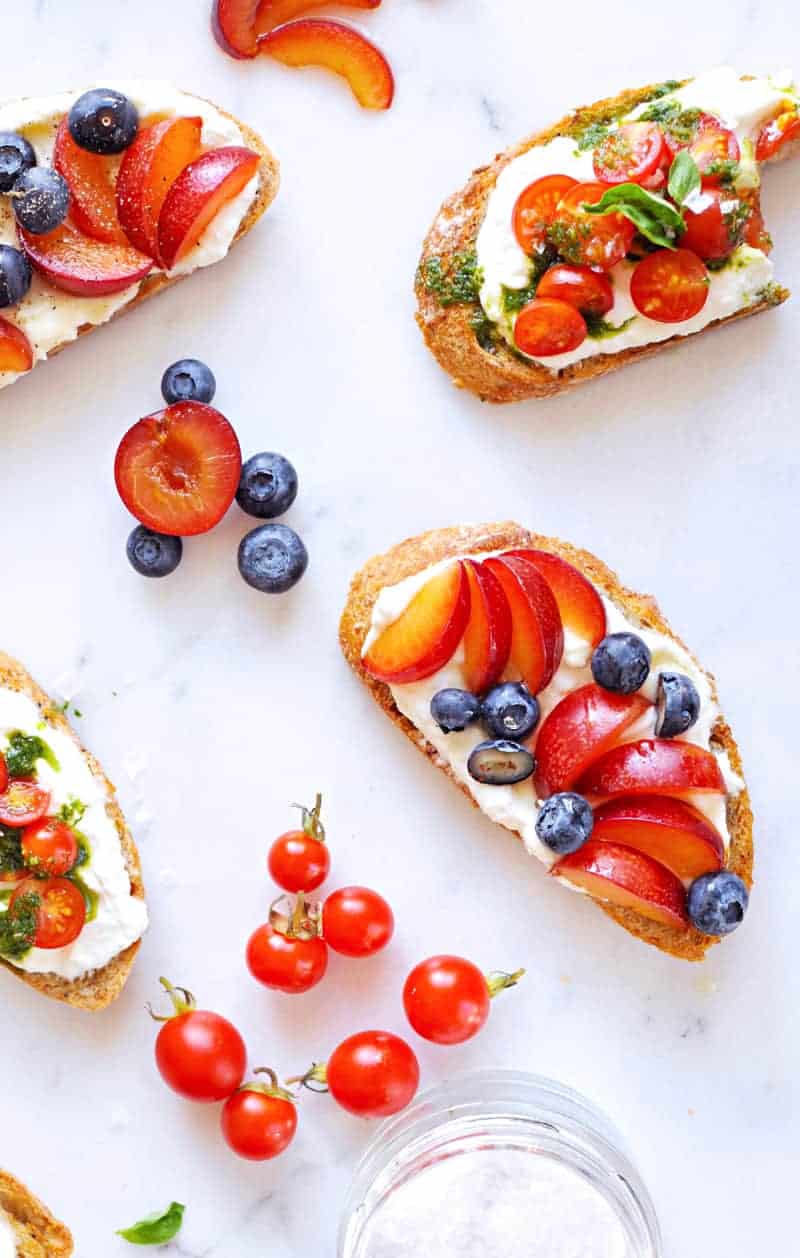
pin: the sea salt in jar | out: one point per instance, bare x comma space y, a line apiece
498, 1165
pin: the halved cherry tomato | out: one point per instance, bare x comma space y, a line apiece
716, 226
631, 154
536, 208
755, 232
3, 773
670, 285
780, 130
587, 290
714, 150
545, 327
691, 123
590, 239
49, 847
61, 912
22, 803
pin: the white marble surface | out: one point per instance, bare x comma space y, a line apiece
213, 707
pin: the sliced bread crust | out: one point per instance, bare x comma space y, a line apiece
38, 1234
499, 375
416, 553
100, 987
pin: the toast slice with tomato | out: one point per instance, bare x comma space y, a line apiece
449, 312
100, 987
419, 553
38, 1234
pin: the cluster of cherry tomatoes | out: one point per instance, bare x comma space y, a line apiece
371, 1074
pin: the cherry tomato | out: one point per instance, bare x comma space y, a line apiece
357, 921
258, 1123
286, 963
716, 226
546, 327
535, 209
670, 285
49, 847
780, 130
691, 124
299, 860
373, 1074
3, 773
199, 1054
589, 239
61, 913
631, 154
587, 290
755, 232
22, 803
446, 999
714, 150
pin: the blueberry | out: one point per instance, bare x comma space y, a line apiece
15, 275
565, 822
268, 486
41, 200
188, 380
16, 156
717, 902
103, 121
454, 710
621, 663
510, 711
153, 554
272, 558
500, 763
678, 704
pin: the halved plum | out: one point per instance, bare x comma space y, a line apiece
148, 170
630, 879
487, 638
77, 264
670, 830
425, 636
336, 47
177, 471
652, 766
579, 604
537, 635
16, 353
197, 196
584, 725
93, 203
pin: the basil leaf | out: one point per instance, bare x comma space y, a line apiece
654, 217
156, 1229
684, 177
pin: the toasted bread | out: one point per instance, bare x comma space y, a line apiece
497, 374
38, 1234
100, 987
418, 553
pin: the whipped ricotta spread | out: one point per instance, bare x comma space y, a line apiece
742, 106
8, 1240
516, 807
120, 918
49, 316
500, 1203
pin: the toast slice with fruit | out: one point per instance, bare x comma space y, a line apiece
50, 845
625, 227
36, 1232
649, 767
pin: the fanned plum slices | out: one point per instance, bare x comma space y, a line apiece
652, 766
627, 878
77, 264
336, 47
537, 635
93, 204
487, 638
670, 831
272, 13
579, 604
584, 725
197, 196
425, 636
16, 354
149, 168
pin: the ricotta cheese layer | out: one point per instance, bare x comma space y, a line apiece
120, 918
517, 807
50, 317
742, 106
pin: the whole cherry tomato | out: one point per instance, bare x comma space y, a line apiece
372, 1074
199, 1054
357, 921
60, 911
447, 999
286, 962
299, 859
259, 1120
49, 846
670, 285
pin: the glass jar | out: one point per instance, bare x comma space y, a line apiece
498, 1164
